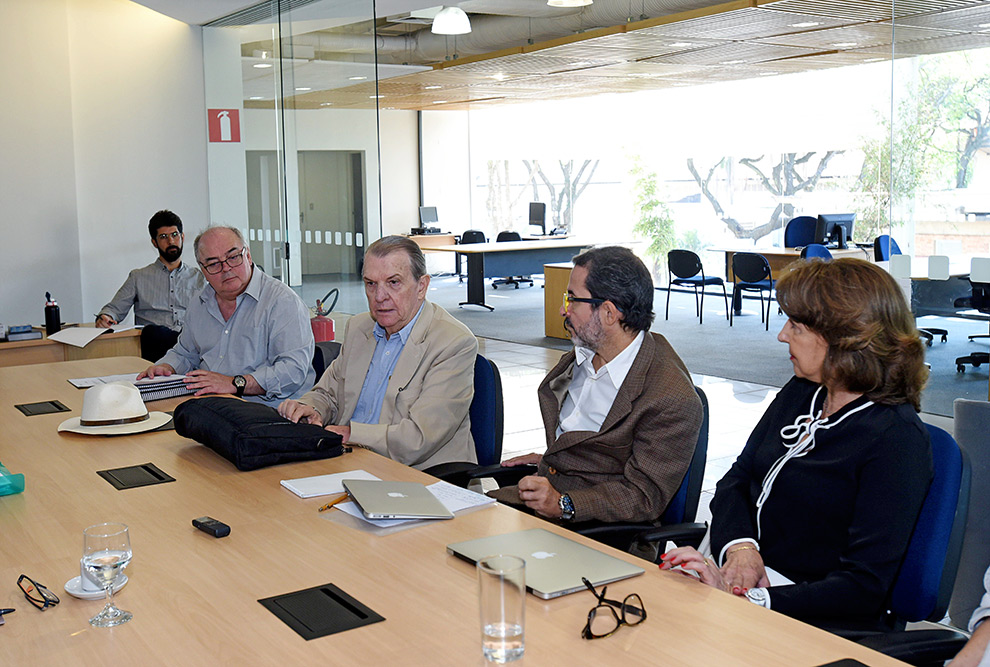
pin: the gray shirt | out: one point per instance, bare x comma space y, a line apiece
159, 296
268, 337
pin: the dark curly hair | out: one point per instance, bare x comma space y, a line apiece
617, 275
860, 311
163, 218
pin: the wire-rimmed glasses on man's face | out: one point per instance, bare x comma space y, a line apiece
570, 299
36, 593
603, 620
170, 235
232, 260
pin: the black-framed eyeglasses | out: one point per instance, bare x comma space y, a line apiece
37, 594
231, 261
603, 620
570, 298
170, 235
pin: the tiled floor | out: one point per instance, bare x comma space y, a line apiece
734, 409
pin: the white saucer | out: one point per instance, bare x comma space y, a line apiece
74, 588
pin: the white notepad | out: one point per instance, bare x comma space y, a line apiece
323, 485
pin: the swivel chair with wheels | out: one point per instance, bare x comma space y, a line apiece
510, 280
980, 300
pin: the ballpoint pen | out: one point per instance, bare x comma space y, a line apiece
334, 502
4, 611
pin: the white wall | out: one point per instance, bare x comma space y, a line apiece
37, 178
447, 167
102, 124
400, 172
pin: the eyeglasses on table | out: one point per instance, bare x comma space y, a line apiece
603, 620
37, 594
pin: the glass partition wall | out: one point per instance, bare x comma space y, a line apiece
296, 163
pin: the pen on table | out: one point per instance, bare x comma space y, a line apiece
333, 502
6, 611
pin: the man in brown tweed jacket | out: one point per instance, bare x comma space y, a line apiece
620, 411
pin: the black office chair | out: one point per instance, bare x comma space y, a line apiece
156, 340
510, 280
487, 424
800, 231
752, 274
980, 300
470, 236
927, 574
324, 353
676, 522
686, 265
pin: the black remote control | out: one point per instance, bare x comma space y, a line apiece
211, 526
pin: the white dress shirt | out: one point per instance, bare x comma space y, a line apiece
591, 393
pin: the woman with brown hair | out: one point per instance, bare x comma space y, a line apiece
815, 515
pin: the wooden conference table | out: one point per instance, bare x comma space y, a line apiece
510, 258
194, 597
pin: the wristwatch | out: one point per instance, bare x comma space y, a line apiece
759, 596
239, 384
566, 507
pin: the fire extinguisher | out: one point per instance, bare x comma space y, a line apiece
323, 325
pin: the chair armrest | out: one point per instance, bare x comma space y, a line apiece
460, 473
681, 534
917, 647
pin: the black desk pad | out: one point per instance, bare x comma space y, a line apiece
320, 611
41, 408
132, 477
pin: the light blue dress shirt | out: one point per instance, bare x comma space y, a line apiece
387, 351
159, 296
268, 337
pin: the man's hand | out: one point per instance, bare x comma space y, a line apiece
743, 569
524, 460
297, 412
155, 371
104, 321
208, 382
538, 495
343, 431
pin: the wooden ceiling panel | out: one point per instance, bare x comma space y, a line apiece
967, 19
733, 53
868, 10
856, 36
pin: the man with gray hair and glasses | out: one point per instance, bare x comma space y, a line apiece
246, 333
404, 380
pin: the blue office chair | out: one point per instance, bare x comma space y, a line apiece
800, 231
676, 522
752, 274
883, 247
814, 250
510, 280
927, 574
687, 266
487, 424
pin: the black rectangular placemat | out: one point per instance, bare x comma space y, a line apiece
134, 476
41, 408
319, 611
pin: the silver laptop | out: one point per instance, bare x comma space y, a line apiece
554, 564
395, 500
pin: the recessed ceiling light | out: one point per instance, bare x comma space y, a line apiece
432, 87
262, 65
256, 97
439, 101
844, 45
375, 97
983, 25
301, 89
873, 60
580, 63
499, 77
732, 62
356, 78
326, 104
806, 24
678, 45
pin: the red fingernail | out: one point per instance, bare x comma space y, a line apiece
663, 556
745, 590
735, 590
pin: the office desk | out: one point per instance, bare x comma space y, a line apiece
194, 597
430, 242
510, 258
43, 351
779, 258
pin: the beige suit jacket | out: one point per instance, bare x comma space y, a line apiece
424, 419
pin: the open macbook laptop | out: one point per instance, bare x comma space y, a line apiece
395, 500
554, 564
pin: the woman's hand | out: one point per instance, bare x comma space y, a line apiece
743, 569
688, 558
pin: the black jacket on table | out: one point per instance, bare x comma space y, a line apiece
838, 519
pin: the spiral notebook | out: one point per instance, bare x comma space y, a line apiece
152, 389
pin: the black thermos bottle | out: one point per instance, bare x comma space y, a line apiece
53, 320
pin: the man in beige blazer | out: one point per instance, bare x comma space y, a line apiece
620, 412
403, 382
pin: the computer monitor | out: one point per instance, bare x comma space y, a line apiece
427, 216
834, 229
538, 216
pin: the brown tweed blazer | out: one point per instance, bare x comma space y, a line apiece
631, 468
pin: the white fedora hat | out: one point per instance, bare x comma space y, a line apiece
115, 408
